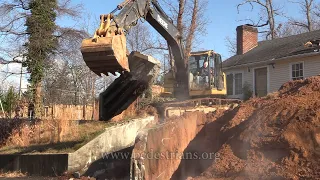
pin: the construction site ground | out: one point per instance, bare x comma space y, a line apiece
273, 137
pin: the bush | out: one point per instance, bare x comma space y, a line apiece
247, 91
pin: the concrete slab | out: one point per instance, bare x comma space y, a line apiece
113, 139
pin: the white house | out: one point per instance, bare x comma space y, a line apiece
264, 66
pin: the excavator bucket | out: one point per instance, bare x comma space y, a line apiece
106, 54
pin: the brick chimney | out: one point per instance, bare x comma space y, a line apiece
247, 38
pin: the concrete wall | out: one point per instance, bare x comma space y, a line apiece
277, 76
113, 139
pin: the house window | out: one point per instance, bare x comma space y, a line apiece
297, 71
238, 83
230, 84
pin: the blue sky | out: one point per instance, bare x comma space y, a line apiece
222, 14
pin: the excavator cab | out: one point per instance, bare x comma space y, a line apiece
205, 74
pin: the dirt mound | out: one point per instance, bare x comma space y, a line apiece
301, 87
275, 137
134, 112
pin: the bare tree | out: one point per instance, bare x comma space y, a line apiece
192, 30
13, 35
81, 81
231, 44
140, 39
186, 15
13, 14
308, 9
268, 8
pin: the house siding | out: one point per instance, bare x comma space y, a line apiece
248, 76
282, 71
312, 66
280, 74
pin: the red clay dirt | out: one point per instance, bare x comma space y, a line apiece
134, 112
275, 137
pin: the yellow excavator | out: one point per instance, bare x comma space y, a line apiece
201, 84
106, 53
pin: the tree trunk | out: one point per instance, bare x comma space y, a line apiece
180, 16
308, 11
93, 97
37, 100
179, 27
271, 18
192, 30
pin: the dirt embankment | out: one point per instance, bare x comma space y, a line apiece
158, 151
275, 137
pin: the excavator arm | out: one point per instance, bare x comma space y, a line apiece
106, 52
152, 12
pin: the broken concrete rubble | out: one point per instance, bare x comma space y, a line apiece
129, 86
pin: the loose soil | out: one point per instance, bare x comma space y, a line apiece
275, 137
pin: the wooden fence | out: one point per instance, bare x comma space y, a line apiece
72, 112
65, 112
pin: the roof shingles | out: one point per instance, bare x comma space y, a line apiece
274, 49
